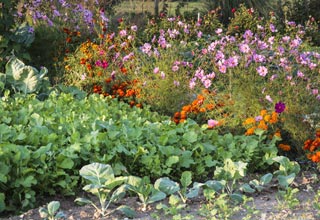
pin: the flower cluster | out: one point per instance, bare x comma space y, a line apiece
311, 146
267, 121
197, 108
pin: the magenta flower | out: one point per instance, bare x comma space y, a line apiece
279, 107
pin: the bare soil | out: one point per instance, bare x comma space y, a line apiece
266, 205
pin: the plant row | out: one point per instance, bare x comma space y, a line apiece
44, 144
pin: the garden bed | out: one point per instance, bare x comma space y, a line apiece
265, 205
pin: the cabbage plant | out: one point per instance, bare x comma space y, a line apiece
23, 78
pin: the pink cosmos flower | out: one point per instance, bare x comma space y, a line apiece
269, 98
156, 70
212, 123
262, 70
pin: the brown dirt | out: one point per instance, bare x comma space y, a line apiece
265, 203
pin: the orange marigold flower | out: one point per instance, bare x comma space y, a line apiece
266, 118
186, 108
108, 80
249, 121
99, 73
139, 105
120, 92
132, 103
182, 120
315, 158
285, 147
250, 131
177, 115
83, 61
68, 39
202, 110
262, 125
277, 134
274, 118
89, 67
123, 70
209, 106
263, 112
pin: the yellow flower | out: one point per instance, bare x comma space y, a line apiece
249, 121
266, 118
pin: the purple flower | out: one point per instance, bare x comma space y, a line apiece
280, 107
258, 118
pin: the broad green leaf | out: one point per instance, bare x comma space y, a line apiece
26, 181
247, 188
190, 136
53, 207
4, 170
215, 185
112, 183
118, 194
2, 203
186, 179
186, 159
194, 191
166, 185
156, 196
67, 163
265, 179
60, 215
134, 181
236, 197
82, 201
97, 173
285, 181
127, 211
172, 160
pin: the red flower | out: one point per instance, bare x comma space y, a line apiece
233, 10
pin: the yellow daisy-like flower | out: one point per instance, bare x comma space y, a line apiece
249, 121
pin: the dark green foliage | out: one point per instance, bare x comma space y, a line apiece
228, 7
